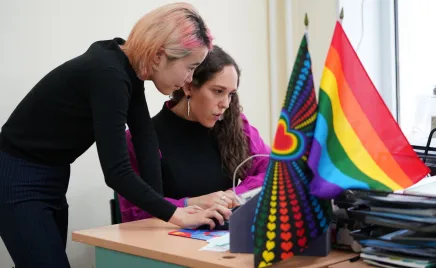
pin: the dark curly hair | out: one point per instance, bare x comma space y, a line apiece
229, 134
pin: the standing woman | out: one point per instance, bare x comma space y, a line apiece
91, 98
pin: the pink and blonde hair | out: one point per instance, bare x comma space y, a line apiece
177, 28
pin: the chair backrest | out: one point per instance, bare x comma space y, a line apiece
115, 210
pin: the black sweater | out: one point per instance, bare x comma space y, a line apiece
191, 161
91, 98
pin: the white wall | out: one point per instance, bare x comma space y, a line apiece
39, 35
286, 31
322, 18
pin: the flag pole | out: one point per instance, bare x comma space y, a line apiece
306, 27
341, 15
306, 21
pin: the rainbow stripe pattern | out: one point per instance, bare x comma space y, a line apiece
287, 217
357, 143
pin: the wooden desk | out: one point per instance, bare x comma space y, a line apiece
146, 243
347, 264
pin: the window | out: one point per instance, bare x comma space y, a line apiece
416, 44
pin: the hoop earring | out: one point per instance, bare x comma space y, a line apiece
188, 98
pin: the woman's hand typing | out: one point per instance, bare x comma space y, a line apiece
194, 216
226, 199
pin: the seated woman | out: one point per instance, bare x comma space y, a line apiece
203, 137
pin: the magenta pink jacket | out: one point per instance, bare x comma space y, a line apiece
254, 179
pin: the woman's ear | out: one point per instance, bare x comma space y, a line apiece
187, 89
159, 56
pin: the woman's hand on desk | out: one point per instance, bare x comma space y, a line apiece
194, 216
225, 199
235, 201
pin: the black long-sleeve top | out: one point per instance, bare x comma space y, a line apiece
91, 98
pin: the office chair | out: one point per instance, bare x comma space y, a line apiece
115, 210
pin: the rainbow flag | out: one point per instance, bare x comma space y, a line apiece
357, 143
287, 217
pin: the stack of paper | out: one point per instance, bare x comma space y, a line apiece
400, 229
387, 259
426, 187
218, 244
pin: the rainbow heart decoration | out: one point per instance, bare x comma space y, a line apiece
287, 216
268, 256
289, 144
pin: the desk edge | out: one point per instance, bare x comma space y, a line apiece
143, 252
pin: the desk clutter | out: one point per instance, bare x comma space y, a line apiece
217, 240
388, 229
205, 235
